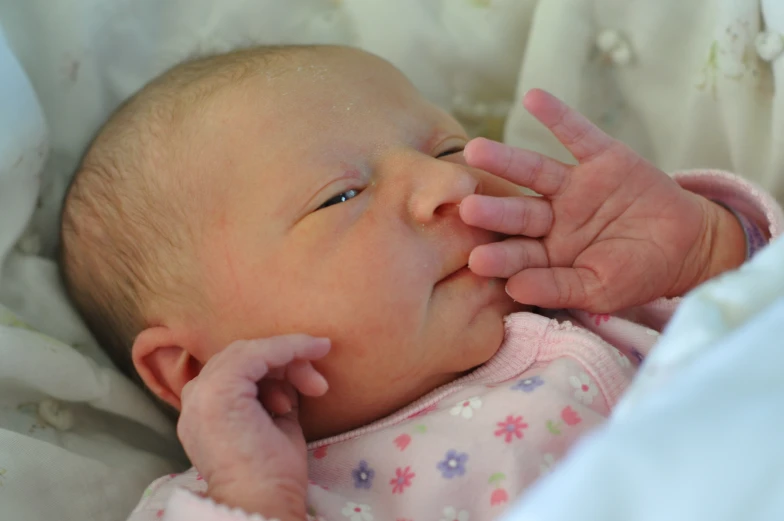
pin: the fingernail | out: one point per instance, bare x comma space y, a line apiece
322, 383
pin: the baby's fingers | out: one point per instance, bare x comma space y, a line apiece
306, 379
504, 259
273, 397
529, 216
540, 173
301, 375
581, 137
252, 360
554, 288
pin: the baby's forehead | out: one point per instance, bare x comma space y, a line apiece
311, 98
327, 76
314, 107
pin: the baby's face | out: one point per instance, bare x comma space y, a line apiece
335, 214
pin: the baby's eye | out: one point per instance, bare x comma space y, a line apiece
453, 150
340, 198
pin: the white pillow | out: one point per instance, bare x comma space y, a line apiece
77, 440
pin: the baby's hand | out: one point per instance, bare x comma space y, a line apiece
611, 232
251, 458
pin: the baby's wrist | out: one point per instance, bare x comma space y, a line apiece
727, 244
756, 237
721, 247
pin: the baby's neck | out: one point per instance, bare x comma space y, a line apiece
319, 422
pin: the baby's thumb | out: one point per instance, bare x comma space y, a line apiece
289, 423
549, 288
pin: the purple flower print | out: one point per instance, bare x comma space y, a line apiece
363, 476
453, 464
528, 384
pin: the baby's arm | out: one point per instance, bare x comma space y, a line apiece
248, 459
758, 213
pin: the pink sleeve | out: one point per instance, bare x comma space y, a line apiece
186, 506
182, 497
739, 194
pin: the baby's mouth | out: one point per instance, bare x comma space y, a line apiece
461, 271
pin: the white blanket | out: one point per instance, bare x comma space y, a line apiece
683, 82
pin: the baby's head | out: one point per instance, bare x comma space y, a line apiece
285, 190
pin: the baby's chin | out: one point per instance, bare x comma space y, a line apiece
484, 336
475, 344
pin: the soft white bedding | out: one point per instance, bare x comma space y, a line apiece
683, 82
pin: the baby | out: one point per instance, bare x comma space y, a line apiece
290, 244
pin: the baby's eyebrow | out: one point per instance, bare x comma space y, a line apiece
437, 132
434, 136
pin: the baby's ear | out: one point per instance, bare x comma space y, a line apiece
164, 363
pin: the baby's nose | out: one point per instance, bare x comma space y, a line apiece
439, 192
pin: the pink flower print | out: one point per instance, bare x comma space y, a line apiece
466, 407
320, 452
570, 416
401, 480
584, 389
357, 512
512, 427
159, 513
599, 318
402, 441
499, 497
